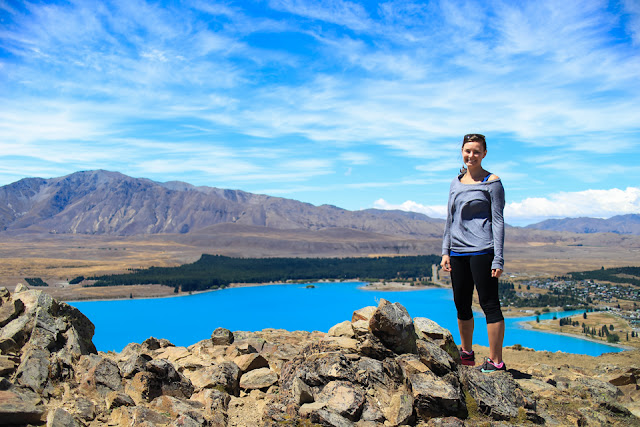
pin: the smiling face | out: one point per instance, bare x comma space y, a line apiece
473, 153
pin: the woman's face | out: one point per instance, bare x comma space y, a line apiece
473, 153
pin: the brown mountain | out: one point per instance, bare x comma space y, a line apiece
110, 203
619, 224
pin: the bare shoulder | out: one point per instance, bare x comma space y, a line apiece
493, 177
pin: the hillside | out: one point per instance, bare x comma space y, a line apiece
110, 203
619, 224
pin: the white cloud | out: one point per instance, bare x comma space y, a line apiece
411, 206
589, 203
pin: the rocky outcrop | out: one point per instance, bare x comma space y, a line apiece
380, 368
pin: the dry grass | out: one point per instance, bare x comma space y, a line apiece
593, 320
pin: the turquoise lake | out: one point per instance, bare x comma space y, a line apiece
185, 320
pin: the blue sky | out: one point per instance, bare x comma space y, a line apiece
354, 104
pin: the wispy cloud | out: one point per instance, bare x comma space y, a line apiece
361, 92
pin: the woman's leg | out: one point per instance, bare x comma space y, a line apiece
487, 287
462, 284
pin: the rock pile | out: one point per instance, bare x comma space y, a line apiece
380, 368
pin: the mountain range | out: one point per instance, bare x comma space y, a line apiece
110, 203
619, 224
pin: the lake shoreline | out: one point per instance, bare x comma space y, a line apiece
528, 324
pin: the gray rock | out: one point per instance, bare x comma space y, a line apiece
497, 394
328, 418
222, 336
343, 398
392, 324
137, 416
176, 407
301, 392
15, 410
33, 371
172, 382
102, 375
438, 360
61, 418
116, 399
10, 311
225, 375
134, 364
436, 397
84, 408
431, 331
151, 344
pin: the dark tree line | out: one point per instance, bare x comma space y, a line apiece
215, 271
35, 281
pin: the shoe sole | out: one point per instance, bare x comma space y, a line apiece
468, 362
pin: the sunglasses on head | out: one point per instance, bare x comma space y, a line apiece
473, 137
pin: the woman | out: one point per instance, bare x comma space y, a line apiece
472, 249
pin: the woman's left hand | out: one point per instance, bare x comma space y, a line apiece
496, 272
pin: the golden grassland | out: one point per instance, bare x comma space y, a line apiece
58, 258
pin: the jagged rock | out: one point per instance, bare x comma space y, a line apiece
151, 344
371, 413
116, 399
360, 327
629, 377
222, 336
61, 418
172, 383
301, 392
400, 409
8, 345
215, 403
33, 371
438, 360
343, 398
239, 348
99, 375
20, 288
137, 416
364, 313
225, 375
15, 410
10, 311
176, 407
344, 329
431, 331
596, 388
497, 394
144, 387
435, 396
393, 325
84, 409
445, 422
134, 364
372, 346
258, 379
249, 362
328, 418
7, 366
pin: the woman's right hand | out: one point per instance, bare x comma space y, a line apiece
446, 263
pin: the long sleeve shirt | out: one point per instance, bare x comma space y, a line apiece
475, 220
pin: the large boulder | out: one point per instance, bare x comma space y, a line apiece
392, 324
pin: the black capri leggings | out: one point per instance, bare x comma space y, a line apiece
467, 270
